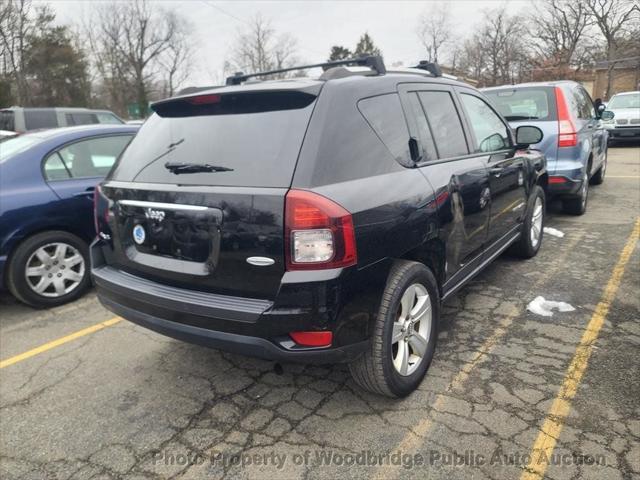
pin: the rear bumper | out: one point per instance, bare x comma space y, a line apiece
254, 327
230, 342
569, 187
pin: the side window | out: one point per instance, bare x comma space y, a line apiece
490, 131
81, 118
108, 118
93, 157
587, 110
35, 119
444, 123
55, 169
384, 114
425, 137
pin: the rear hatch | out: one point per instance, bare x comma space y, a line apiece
535, 105
197, 199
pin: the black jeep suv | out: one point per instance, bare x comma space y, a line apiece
316, 220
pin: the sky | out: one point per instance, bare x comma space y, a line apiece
315, 24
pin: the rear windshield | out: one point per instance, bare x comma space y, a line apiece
625, 101
257, 136
524, 103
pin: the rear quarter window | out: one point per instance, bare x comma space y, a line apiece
384, 115
7, 120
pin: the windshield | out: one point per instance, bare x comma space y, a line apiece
624, 101
250, 141
10, 147
523, 104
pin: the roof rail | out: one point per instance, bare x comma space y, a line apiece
374, 62
431, 67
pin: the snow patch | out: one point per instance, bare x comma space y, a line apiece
543, 307
553, 232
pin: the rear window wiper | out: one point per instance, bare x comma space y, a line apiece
181, 167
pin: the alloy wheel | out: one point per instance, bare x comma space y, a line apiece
536, 222
412, 329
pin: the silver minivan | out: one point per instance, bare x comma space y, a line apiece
20, 119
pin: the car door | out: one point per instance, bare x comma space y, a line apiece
460, 180
492, 142
73, 171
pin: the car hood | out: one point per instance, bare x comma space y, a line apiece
625, 113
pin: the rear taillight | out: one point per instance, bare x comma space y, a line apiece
567, 135
319, 233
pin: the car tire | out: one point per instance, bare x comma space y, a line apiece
530, 239
598, 178
410, 300
578, 205
59, 272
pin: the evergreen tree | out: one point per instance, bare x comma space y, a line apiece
338, 52
366, 46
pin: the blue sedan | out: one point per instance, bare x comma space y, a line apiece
47, 180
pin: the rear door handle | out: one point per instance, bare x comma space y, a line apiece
497, 171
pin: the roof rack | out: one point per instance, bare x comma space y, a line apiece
372, 61
431, 67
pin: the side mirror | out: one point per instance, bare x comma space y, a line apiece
414, 150
528, 135
607, 114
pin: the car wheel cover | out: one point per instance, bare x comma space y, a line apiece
54, 270
411, 329
536, 222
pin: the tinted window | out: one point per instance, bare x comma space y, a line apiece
55, 169
35, 119
490, 132
81, 118
256, 135
6, 120
93, 157
427, 147
523, 103
445, 124
384, 114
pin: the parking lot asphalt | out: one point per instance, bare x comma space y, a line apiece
114, 400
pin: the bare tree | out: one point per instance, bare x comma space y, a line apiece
561, 25
614, 19
258, 48
176, 61
15, 27
129, 41
434, 30
496, 52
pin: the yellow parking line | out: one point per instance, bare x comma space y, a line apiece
58, 342
417, 434
552, 426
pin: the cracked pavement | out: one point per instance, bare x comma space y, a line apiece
125, 402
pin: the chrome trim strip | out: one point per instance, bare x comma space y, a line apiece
164, 206
261, 261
